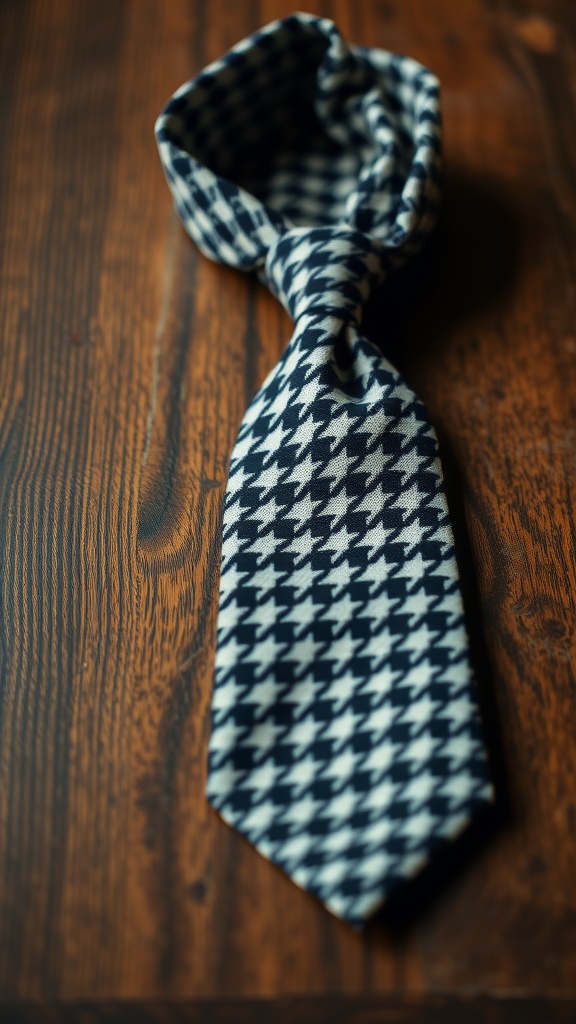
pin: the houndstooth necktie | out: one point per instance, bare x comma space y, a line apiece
345, 743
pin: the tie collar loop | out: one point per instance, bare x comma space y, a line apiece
293, 128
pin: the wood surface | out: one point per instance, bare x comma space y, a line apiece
126, 363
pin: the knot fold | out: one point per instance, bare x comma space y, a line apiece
329, 270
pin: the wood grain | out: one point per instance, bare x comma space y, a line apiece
126, 362
359, 1009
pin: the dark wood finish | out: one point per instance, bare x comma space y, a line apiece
126, 362
298, 1010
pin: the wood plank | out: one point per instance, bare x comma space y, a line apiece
299, 1010
126, 362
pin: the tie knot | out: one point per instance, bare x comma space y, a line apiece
324, 270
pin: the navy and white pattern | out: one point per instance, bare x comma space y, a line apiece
346, 744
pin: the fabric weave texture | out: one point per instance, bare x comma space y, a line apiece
346, 743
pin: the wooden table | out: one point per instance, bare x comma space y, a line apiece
126, 363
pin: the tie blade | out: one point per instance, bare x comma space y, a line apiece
346, 744
350, 807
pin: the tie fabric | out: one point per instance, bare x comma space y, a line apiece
346, 743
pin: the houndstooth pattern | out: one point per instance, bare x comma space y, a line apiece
346, 744
360, 144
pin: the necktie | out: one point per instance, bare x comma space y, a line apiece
345, 740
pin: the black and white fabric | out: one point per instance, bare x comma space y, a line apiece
346, 744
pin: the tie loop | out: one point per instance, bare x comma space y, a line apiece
329, 270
